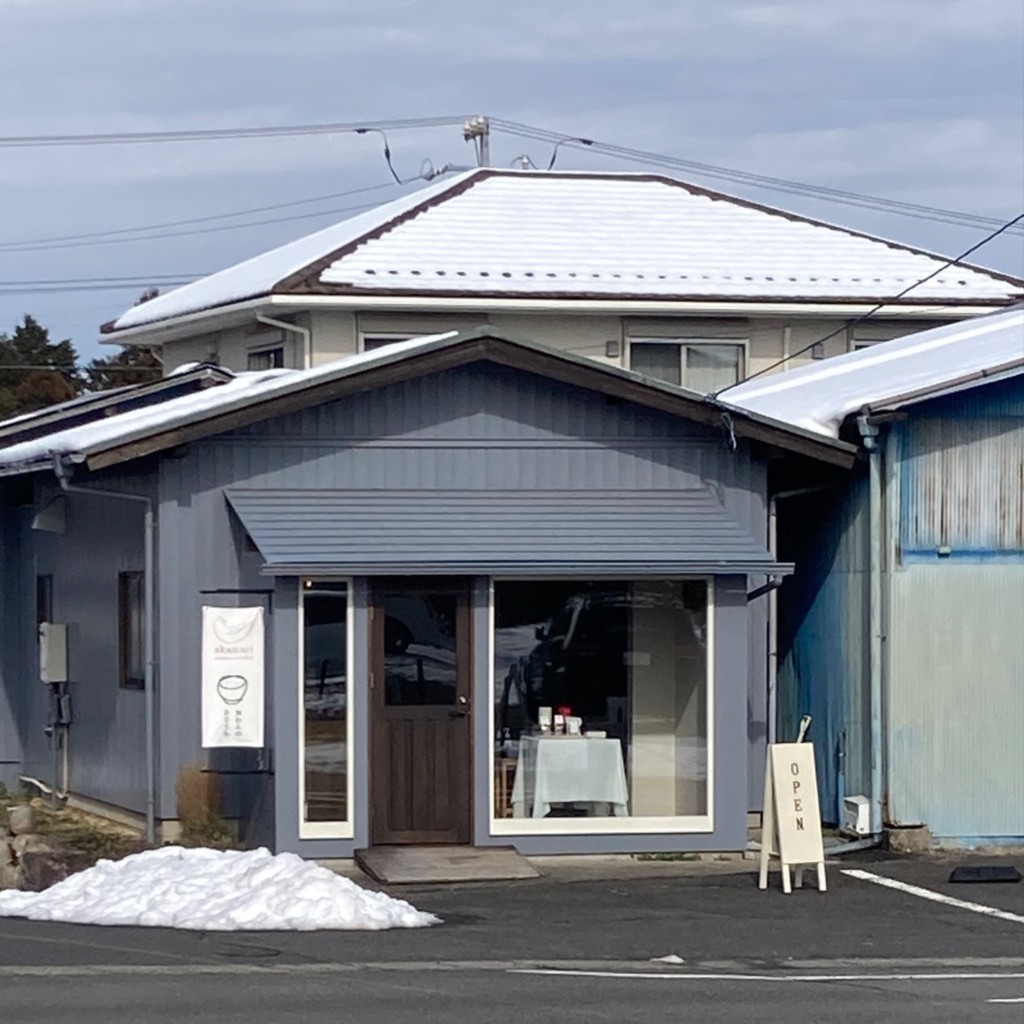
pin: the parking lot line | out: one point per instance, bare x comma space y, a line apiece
936, 897
774, 978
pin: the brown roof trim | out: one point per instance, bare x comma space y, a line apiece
455, 293
475, 346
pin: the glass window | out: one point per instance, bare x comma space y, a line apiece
371, 342
700, 366
265, 359
130, 617
419, 647
325, 701
44, 599
601, 699
662, 362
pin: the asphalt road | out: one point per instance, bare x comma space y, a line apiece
559, 951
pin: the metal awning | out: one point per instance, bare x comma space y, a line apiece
428, 532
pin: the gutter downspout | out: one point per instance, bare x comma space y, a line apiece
869, 436
149, 640
303, 332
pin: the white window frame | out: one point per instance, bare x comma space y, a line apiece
328, 829
681, 824
683, 343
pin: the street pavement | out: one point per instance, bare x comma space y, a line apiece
563, 948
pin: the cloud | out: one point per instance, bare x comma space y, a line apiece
890, 24
914, 99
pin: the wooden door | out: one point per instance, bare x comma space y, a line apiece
420, 783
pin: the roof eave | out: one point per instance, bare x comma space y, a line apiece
494, 346
986, 375
212, 318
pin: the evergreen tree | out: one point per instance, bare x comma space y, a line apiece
26, 383
131, 365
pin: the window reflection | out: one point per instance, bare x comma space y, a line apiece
419, 647
325, 701
601, 698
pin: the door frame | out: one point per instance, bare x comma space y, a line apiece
379, 779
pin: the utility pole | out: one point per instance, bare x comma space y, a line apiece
478, 130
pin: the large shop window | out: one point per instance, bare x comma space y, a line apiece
326, 715
602, 706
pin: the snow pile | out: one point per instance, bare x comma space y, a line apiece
213, 890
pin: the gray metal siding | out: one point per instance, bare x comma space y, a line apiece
495, 531
17, 688
478, 428
102, 538
201, 560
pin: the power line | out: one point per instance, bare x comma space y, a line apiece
916, 210
206, 231
219, 134
198, 231
881, 305
99, 286
54, 240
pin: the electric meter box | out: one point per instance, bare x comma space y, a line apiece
53, 652
857, 816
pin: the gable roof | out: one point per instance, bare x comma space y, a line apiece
97, 405
820, 397
508, 234
252, 397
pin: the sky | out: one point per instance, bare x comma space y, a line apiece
915, 100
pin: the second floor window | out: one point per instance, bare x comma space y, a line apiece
697, 365
372, 342
265, 358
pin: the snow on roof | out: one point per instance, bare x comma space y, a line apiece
257, 276
215, 890
509, 233
819, 397
242, 390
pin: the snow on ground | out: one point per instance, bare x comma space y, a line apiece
214, 890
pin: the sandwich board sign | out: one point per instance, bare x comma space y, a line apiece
792, 822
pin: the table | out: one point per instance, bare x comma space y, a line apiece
568, 769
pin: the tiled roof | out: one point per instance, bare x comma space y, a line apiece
508, 234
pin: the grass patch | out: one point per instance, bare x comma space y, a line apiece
95, 838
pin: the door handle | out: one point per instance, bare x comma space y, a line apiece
462, 709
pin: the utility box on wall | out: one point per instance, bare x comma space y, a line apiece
53, 652
856, 816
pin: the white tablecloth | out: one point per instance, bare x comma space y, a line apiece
568, 769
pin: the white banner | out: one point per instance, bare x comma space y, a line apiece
233, 697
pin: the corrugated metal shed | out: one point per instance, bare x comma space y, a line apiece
375, 532
955, 671
962, 475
